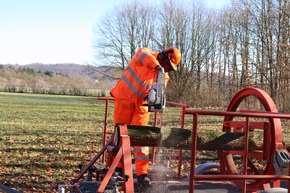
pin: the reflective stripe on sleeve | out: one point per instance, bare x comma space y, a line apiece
137, 55
137, 79
145, 53
131, 86
142, 57
141, 149
139, 82
142, 157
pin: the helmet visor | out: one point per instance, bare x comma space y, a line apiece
168, 65
174, 67
164, 59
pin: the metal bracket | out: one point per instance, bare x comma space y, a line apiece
281, 160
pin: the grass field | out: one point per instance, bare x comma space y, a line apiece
43, 138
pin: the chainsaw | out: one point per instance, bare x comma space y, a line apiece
156, 97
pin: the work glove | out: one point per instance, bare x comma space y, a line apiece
160, 69
152, 94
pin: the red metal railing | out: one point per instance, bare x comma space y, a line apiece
196, 113
157, 116
247, 115
183, 107
106, 122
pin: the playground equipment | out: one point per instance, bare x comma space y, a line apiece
250, 170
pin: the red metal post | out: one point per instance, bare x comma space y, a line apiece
183, 106
180, 150
105, 129
123, 155
246, 147
155, 125
127, 162
245, 153
289, 179
86, 168
110, 172
193, 153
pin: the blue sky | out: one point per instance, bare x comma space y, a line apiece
51, 31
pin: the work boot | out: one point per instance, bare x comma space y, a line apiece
119, 171
143, 179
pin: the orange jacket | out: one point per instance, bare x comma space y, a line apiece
139, 76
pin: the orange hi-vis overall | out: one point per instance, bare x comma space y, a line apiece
130, 95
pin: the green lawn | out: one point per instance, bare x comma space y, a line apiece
43, 138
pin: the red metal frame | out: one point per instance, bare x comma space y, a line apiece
183, 107
105, 129
274, 132
155, 125
123, 154
157, 116
244, 177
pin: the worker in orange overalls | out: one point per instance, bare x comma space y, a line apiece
131, 91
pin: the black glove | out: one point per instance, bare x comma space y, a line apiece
160, 69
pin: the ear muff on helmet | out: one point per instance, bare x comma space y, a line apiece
171, 56
164, 55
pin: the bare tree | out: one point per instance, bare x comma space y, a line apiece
246, 45
174, 31
268, 28
122, 31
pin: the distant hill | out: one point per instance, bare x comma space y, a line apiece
95, 73
68, 79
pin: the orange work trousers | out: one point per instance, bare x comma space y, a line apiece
133, 113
